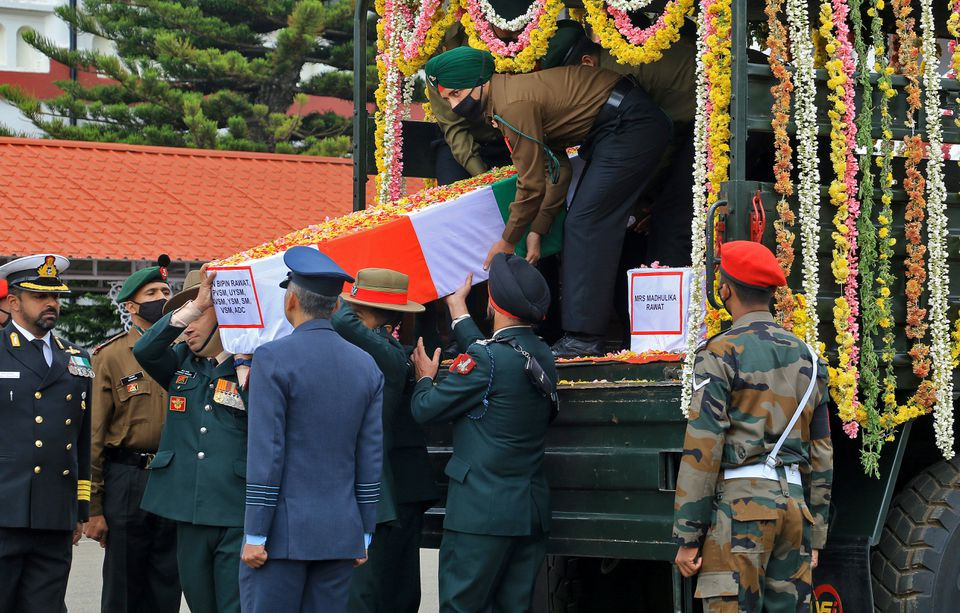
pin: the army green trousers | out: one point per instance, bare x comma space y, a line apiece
756, 556
482, 573
208, 559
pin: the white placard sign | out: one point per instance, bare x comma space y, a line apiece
235, 297
659, 308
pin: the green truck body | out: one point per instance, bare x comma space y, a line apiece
613, 453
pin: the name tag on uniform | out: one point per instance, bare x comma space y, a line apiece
228, 394
9, 374
131, 378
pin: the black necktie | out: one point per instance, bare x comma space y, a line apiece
38, 343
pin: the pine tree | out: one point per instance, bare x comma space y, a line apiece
218, 74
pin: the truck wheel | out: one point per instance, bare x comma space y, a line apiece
916, 567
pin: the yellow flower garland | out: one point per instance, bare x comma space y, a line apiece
623, 50
526, 60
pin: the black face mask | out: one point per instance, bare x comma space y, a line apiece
470, 108
152, 311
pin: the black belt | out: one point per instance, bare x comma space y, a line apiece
132, 457
611, 107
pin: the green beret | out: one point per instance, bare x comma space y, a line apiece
460, 68
142, 277
569, 33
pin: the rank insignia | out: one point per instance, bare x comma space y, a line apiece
463, 364
133, 388
228, 395
178, 404
14, 339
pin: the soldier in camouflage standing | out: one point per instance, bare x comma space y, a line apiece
753, 492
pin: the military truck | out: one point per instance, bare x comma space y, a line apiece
613, 453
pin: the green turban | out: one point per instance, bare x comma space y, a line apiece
568, 34
460, 68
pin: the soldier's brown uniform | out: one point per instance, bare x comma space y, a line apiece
129, 409
756, 534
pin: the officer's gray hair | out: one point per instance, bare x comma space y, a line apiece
313, 304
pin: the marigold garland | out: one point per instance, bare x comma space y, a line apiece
631, 45
785, 302
521, 56
844, 378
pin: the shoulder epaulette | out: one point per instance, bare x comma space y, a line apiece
483, 341
107, 342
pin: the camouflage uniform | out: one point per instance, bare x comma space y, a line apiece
756, 534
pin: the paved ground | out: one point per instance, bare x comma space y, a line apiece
83, 591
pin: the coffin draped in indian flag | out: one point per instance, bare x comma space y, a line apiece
436, 237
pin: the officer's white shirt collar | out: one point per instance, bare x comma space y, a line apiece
496, 333
454, 323
26, 334
47, 349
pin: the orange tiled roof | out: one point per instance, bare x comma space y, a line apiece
116, 202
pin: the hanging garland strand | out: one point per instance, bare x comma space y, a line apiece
801, 48
869, 365
629, 44
783, 153
937, 230
840, 69
699, 224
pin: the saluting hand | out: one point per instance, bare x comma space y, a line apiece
204, 299
424, 365
689, 561
254, 556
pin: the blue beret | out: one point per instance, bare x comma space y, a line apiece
314, 271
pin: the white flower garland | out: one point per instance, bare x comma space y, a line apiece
514, 25
629, 6
699, 226
808, 191
393, 88
939, 279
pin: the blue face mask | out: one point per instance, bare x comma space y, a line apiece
470, 108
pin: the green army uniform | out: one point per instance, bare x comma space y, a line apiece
755, 534
198, 477
498, 502
390, 580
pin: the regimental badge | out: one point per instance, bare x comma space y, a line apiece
163, 273
354, 289
133, 388
181, 379
48, 269
178, 404
228, 394
14, 339
80, 366
463, 364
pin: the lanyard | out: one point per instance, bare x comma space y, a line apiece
553, 164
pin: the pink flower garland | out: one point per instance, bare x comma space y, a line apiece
410, 48
493, 43
632, 33
845, 55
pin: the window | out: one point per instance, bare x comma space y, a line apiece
28, 58
3, 45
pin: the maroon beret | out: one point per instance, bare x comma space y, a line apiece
751, 264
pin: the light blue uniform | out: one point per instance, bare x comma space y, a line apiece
314, 458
